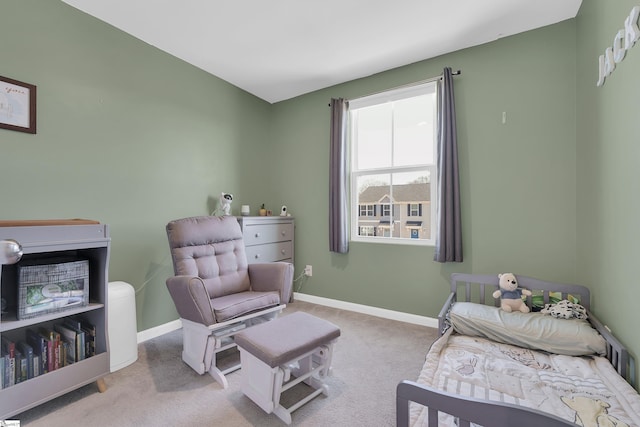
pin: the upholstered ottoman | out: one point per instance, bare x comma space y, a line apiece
279, 354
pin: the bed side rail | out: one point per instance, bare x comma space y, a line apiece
467, 409
443, 316
617, 353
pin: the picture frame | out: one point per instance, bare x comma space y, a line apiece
17, 105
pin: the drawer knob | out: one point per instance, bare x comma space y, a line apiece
257, 256
283, 252
284, 233
257, 235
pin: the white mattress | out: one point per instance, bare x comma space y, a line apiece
584, 390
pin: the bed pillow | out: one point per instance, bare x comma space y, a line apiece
537, 331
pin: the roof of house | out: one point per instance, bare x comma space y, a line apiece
401, 193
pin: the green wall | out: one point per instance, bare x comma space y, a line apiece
607, 178
127, 135
517, 179
134, 138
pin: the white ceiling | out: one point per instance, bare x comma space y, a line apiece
280, 49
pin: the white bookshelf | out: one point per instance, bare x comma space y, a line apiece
86, 241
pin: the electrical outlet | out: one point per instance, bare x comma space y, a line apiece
308, 271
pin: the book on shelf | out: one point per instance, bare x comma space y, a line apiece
71, 338
9, 349
36, 365
6, 369
27, 353
68, 353
53, 348
8, 346
9, 372
76, 326
89, 330
21, 367
39, 345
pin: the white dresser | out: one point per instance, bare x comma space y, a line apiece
267, 238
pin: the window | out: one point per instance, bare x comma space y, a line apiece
393, 166
414, 209
367, 210
367, 231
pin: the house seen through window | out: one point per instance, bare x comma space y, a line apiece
393, 166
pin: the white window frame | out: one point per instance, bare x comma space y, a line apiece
355, 174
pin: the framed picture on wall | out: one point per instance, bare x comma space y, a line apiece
17, 105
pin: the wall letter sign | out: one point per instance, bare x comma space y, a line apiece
623, 41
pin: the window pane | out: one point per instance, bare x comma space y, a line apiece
395, 205
373, 192
373, 189
412, 190
373, 137
413, 131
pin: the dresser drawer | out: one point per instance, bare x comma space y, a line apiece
270, 252
267, 233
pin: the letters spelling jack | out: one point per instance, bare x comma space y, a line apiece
623, 41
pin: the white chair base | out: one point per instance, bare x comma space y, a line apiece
201, 344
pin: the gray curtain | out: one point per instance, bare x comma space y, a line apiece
338, 225
448, 223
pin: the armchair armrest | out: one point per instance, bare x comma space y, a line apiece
272, 276
191, 299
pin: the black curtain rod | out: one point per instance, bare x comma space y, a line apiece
453, 73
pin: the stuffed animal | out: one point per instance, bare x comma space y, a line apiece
225, 203
510, 295
565, 309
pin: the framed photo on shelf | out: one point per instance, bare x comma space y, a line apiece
17, 105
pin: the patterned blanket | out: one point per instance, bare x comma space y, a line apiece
583, 390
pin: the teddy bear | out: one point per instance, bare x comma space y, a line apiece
510, 295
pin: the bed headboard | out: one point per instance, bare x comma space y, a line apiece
477, 287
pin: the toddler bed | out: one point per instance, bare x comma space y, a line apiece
493, 368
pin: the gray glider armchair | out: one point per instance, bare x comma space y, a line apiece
216, 292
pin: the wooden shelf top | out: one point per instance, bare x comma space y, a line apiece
36, 222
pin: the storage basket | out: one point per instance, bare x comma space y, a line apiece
51, 286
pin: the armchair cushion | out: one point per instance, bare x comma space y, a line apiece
236, 305
212, 249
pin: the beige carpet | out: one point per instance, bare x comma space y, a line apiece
370, 358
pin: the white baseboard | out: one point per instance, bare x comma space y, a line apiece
366, 309
430, 322
159, 330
